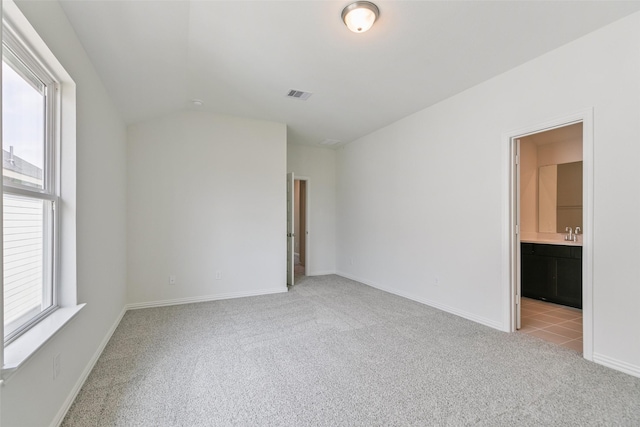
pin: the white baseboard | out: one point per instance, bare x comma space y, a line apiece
319, 273
204, 298
85, 373
618, 365
469, 316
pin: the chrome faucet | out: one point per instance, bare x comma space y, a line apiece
569, 237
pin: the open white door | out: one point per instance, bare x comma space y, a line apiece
290, 229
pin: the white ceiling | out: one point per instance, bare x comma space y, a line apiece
242, 57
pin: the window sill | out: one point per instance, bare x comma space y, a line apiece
20, 350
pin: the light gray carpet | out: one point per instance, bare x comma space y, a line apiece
333, 352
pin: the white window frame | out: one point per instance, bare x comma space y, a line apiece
15, 355
19, 50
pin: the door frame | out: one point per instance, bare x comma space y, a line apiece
510, 221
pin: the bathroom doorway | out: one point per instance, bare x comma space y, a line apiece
300, 226
551, 283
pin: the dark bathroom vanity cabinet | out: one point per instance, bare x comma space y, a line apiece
552, 273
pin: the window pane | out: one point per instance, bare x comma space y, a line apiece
23, 127
27, 247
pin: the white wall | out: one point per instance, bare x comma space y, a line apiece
207, 193
422, 199
319, 165
101, 226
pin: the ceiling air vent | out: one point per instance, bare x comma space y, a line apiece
298, 94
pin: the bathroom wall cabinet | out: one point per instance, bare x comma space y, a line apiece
552, 273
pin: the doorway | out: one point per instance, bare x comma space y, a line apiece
550, 285
297, 228
300, 227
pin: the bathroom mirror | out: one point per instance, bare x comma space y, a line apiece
559, 197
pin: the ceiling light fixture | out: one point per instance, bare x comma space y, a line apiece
360, 16
197, 103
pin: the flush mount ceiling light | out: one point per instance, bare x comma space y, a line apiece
360, 16
197, 103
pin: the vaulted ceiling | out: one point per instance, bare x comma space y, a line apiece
242, 57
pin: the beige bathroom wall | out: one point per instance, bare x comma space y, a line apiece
557, 146
528, 186
558, 152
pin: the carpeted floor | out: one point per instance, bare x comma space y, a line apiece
333, 352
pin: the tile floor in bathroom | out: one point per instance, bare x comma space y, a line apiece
552, 322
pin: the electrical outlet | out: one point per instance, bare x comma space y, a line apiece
56, 366
172, 279
218, 275
351, 261
436, 281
